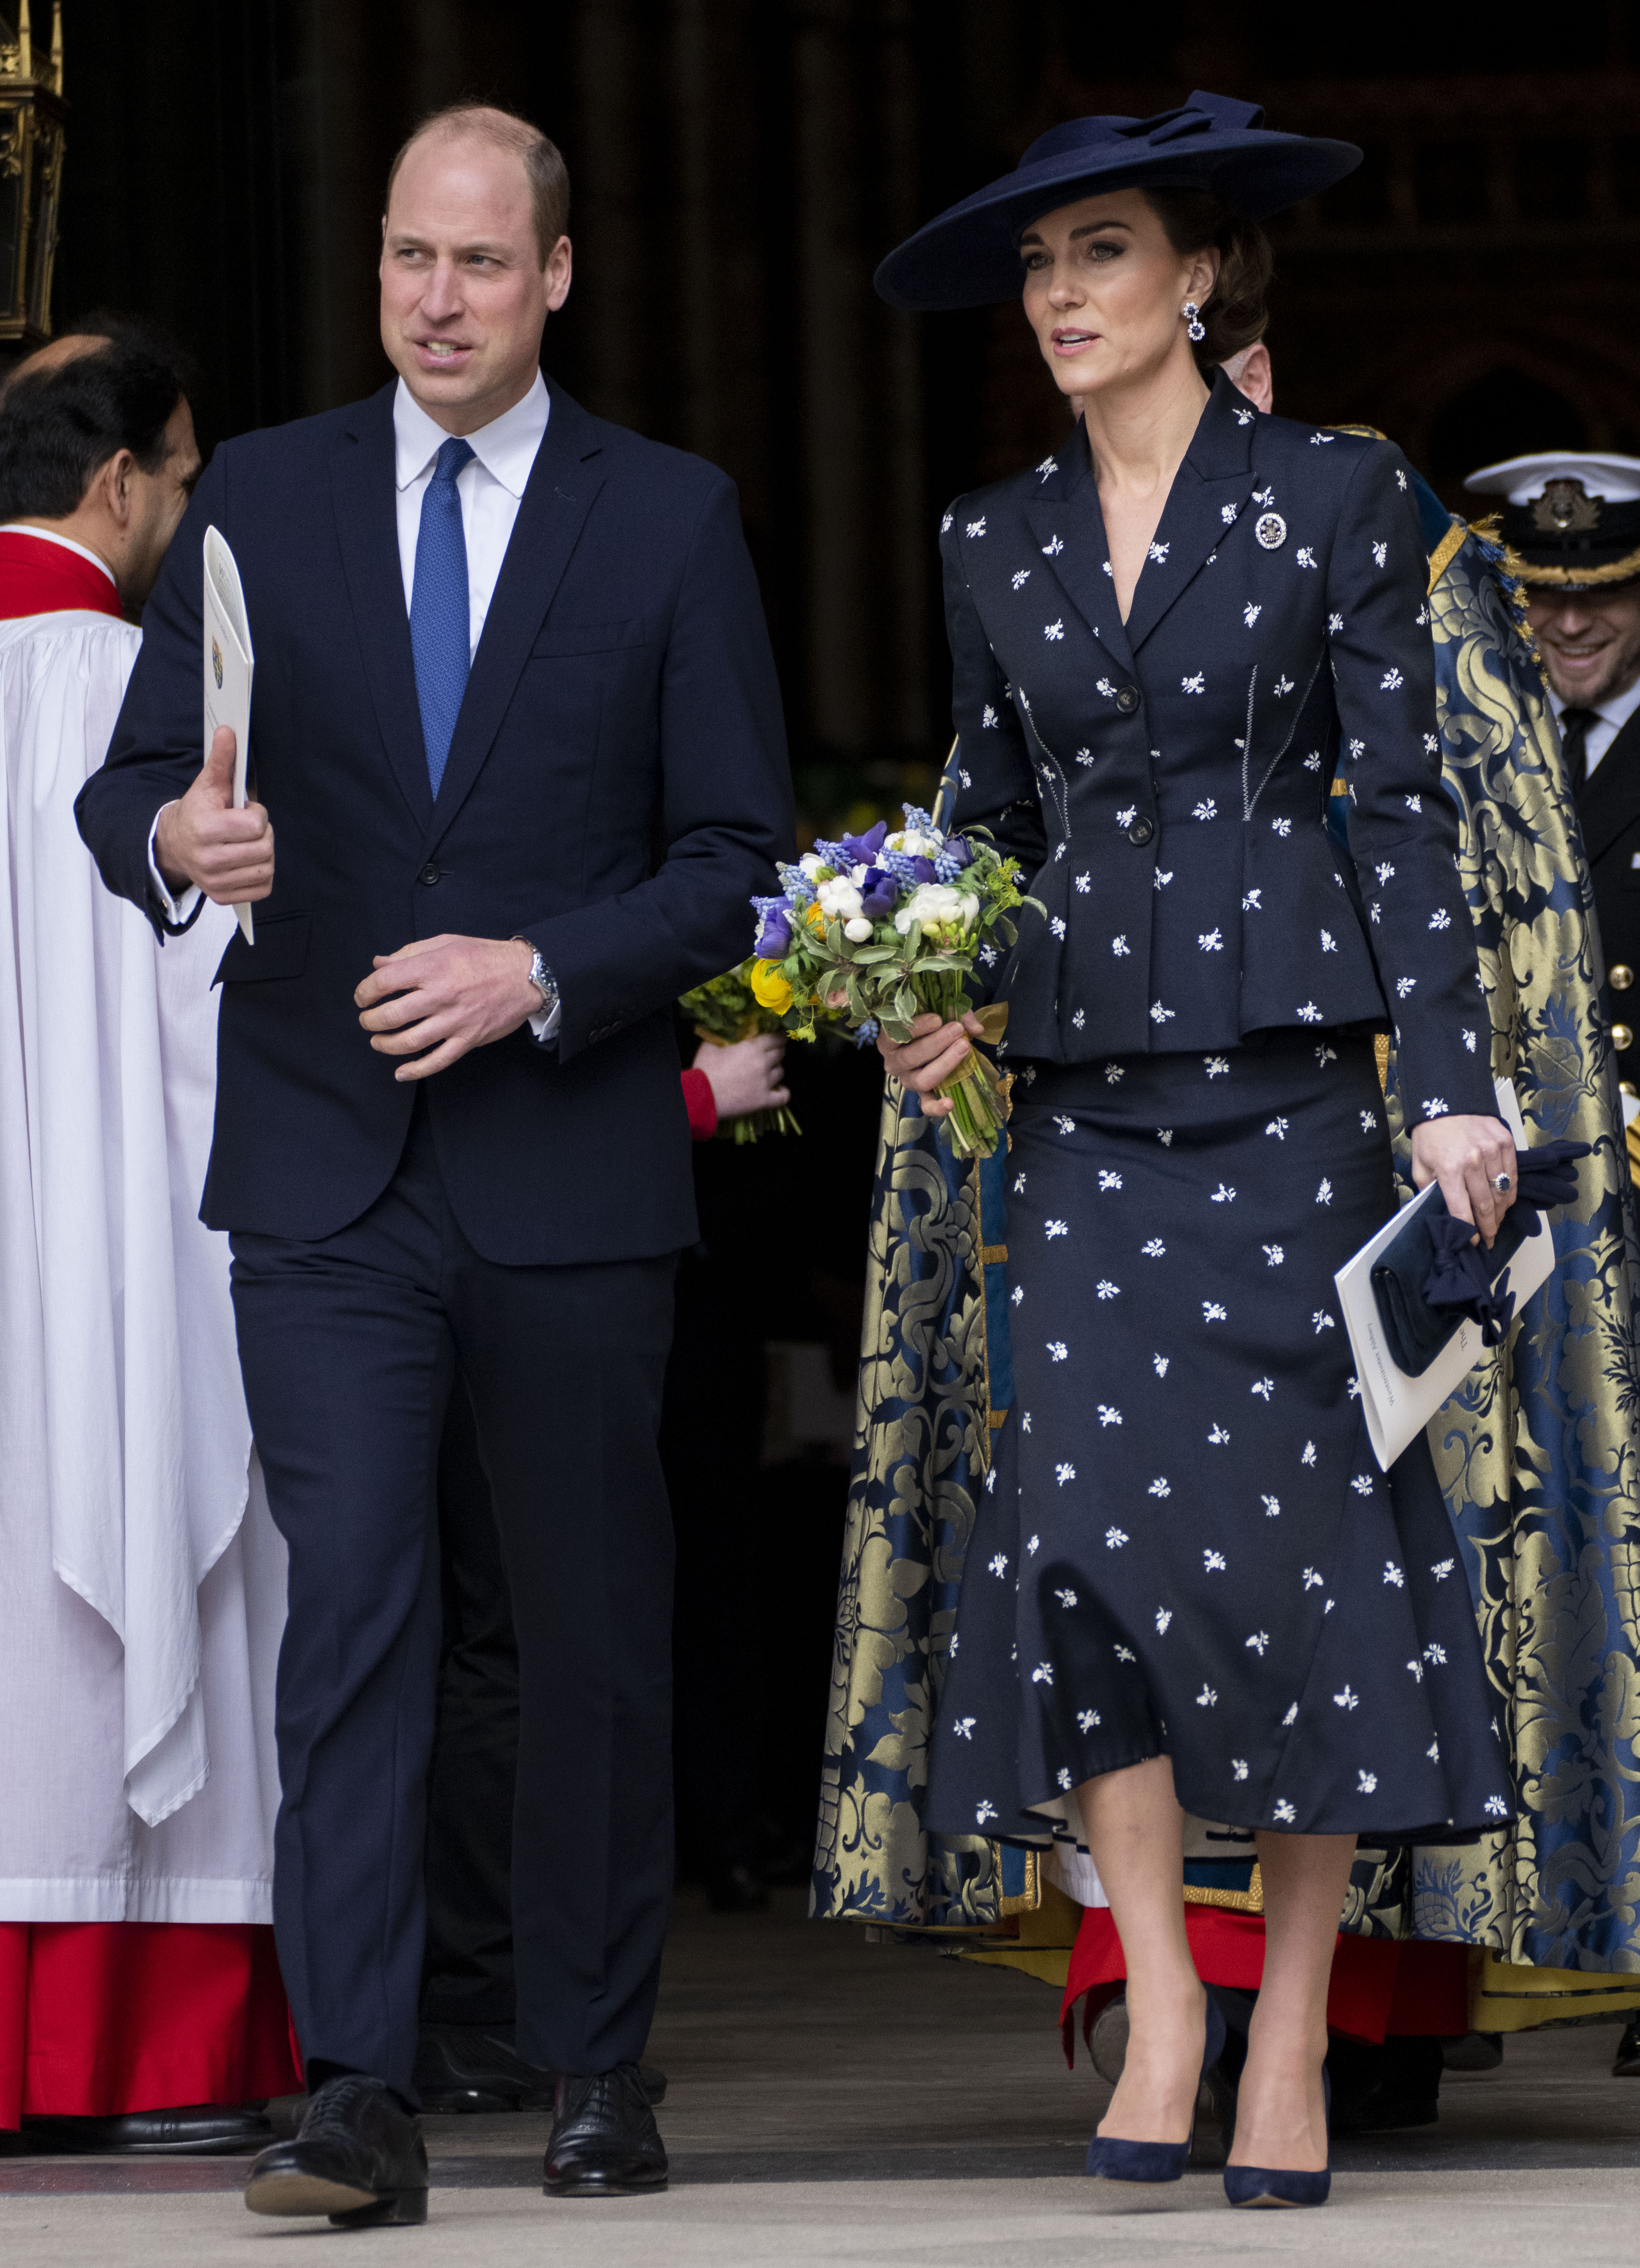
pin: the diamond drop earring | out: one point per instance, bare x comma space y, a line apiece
1192, 314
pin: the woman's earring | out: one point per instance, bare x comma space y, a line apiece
1192, 314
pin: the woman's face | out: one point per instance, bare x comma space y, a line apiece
1104, 289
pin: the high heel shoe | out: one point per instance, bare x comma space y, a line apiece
1269, 2185
1112, 2160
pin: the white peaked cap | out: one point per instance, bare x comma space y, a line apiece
1522, 479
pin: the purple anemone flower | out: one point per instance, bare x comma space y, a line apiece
774, 938
877, 894
862, 848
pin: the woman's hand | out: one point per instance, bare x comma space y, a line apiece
745, 1077
935, 1051
1467, 1155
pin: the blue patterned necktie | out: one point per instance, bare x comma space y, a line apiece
440, 611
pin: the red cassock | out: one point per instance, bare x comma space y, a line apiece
97, 2019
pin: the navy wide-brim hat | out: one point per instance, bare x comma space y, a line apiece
968, 256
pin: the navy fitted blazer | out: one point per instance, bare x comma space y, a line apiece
616, 788
1167, 780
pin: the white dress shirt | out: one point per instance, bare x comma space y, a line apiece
490, 487
1610, 715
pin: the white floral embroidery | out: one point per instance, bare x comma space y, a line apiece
1250, 614
1327, 944
1393, 1575
1043, 1674
1079, 1019
1390, 681
1264, 1388
1051, 550
1158, 552
1496, 1807
1369, 1120
999, 1565
1282, 685
1253, 903
1223, 1195
1210, 940
1435, 1107
1366, 1782
1272, 1507
1057, 926
1206, 1698
1107, 1416
1335, 622
1440, 918
1273, 1255
1109, 1180
964, 1728
1160, 879
977, 526
1054, 632
1057, 1350
1347, 1699
1122, 1652
1442, 1568
1052, 465
1021, 576
1066, 1125
1164, 1136
1108, 1291
1242, 418
1196, 684
1213, 1563
1308, 1014
1312, 764
1278, 1127
1238, 1767
1120, 948
1323, 1322
1087, 1718
1212, 1311
1084, 883
1304, 556
1032, 1542
1159, 1487
1161, 1015
945, 525
1163, 1616
1064, 1777
1207, 809
1218, 1066
1057, 1228
1159, 1363
1155, 1249
1312, 1581
1282, 827
1104, 685
1323, 1194
1219, 1436
1114, 1538
1318, 439
1016, 1295
984, 1812
1259, 1643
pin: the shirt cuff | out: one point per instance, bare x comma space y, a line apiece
178, 911
544, 1028
701, 1104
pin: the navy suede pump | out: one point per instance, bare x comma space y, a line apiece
1112, 2159
1272, 2185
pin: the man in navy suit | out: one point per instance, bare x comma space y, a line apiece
518, 765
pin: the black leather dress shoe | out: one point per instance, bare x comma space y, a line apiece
358, 2158
605, 2139
198, 2129
474, 2067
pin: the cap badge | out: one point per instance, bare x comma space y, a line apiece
1565, 508
1271, 530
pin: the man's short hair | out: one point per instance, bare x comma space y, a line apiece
60, 424
503, 130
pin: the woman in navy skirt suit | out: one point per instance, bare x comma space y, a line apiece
1190, 1588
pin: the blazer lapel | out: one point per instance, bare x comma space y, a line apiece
556, 498
1216, 475
1610, 798
1069, 530
362, 494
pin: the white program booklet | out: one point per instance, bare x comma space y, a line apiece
1397, 1407
229, 664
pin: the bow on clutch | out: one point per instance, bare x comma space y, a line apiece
1437, 1273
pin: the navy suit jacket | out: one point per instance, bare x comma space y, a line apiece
1167, 779
616, 788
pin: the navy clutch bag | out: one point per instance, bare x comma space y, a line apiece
1434, 1276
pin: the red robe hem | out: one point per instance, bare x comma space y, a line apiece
102, 2018
1378, 1984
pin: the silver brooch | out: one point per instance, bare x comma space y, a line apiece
1271, 531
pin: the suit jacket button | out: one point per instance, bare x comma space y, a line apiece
1623, 976
1127, 700
428, 876
1142, 830
1623, 1038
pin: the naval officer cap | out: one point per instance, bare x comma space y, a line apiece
1572, 518
969, 255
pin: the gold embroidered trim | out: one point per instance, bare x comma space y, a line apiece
1381, 1056
1446, 550
1248, 1900
992, 1255
1576, 578
1031, 1897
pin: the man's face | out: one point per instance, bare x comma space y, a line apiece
159, 499
464, 295
1589, 640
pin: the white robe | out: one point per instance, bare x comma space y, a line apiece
142, 1582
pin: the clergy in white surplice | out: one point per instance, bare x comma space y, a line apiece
142, 1582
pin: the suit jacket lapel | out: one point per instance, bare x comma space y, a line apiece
1217, 474
1610, 797
362, 494
556, 498
1070, 529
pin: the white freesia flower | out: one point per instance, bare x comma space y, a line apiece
915, 843
935, 905
857, 931
840, 899
812, 864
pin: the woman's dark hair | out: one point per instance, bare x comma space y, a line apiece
59, 424
1235, 313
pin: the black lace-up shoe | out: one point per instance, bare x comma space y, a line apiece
467, 2067
357, 2158
605, 2139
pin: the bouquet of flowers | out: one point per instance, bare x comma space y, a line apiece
726, 1010
880, 927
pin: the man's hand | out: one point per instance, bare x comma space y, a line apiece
935, 1050
203, 839
445, 996
1466, 1155
745, 1077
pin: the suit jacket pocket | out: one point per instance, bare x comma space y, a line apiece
559, 640
280, 951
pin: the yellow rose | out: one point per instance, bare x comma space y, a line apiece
769, 988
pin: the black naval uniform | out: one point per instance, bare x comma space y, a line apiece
1608, 810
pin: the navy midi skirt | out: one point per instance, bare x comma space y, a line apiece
1185, 1546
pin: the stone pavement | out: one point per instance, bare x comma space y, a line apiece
835, 2101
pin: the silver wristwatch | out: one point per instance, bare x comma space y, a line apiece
542, 978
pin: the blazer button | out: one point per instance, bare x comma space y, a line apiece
1623, 976
1141, 831
428, 876
1127, 700
1623, 1038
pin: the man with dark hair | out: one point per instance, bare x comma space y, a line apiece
143, 1593
505, 649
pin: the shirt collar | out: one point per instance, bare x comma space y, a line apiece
505, 447
1615, 710
50, 536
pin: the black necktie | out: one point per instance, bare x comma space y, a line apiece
1574, 736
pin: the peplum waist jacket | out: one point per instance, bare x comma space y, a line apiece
1165, 781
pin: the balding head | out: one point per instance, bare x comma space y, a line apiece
545, 173
68, 348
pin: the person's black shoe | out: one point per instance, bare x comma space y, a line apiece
1627, 2064
197, 2129
604, 2139
1472, 2052
358, 2158
461, 2068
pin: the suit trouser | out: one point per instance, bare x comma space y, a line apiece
349, 1346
